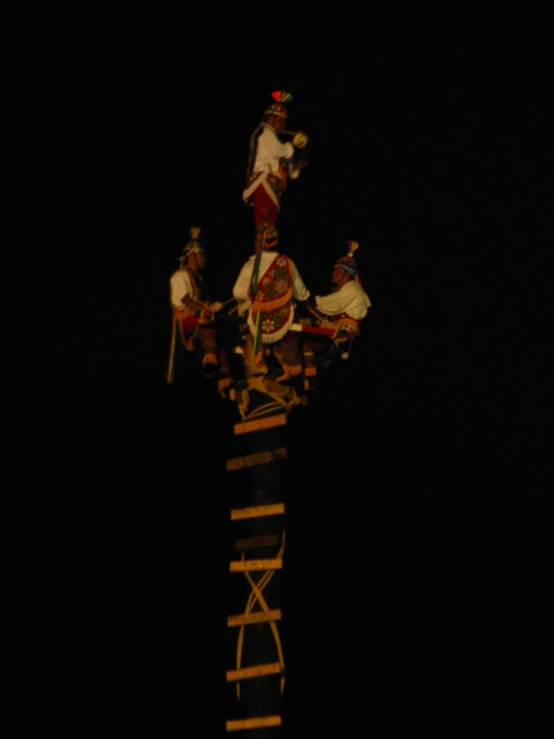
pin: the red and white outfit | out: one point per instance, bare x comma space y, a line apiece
267, 178
279, 286
181, 285
344, 308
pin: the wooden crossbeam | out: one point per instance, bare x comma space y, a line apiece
260, 423
274, 509
257, 722
272, 668
258, 542
251, 460
255, 565
258, 617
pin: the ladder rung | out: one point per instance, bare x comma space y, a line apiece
255, 565
257, 511
254, 723
258, 617
260, 423
273, 668
251, 460
258, 542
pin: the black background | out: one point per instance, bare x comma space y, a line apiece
419, 526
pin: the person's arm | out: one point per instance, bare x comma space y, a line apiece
179, 286
272, 149
350, 299
294, 166
240, 288
332, 304
198, 306
299, 290
181, 296
358, 302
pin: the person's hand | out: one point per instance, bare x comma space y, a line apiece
215, 307
299, 140
206, 316
326, 323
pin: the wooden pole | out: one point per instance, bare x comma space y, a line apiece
257, 512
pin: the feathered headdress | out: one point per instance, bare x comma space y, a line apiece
278, 108
348, 263
192, 245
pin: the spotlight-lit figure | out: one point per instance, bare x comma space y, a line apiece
193, 317
271, 163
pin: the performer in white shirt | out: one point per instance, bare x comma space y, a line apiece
341, 310
348, 303
269, 289
271, 163
192, 316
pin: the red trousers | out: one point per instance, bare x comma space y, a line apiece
265, 210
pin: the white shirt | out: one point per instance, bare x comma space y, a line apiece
270, 150
180, 286
242, 286
350, 299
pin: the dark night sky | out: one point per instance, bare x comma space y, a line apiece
430, 144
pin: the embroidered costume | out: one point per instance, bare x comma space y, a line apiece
268, 288
271, 163
192, 317
348, 304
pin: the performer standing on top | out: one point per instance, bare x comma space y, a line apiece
271, 163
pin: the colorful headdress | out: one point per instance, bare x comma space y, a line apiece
192, 246
278, 108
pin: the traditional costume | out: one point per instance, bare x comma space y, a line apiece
267, 288
192, 324
270, 164
341, 310
348, 304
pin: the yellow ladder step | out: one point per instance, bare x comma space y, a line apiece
273, 668
258, 722
255, 565
258, 617
273, 509
259, 424
251, 460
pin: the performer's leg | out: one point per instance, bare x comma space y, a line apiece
265, 210
208, 339
289, 355
309, 357
251, 366
188, 329
224, 380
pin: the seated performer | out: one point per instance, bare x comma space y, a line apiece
347, 304
271, 163
192, 316
269, 288
342, 309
